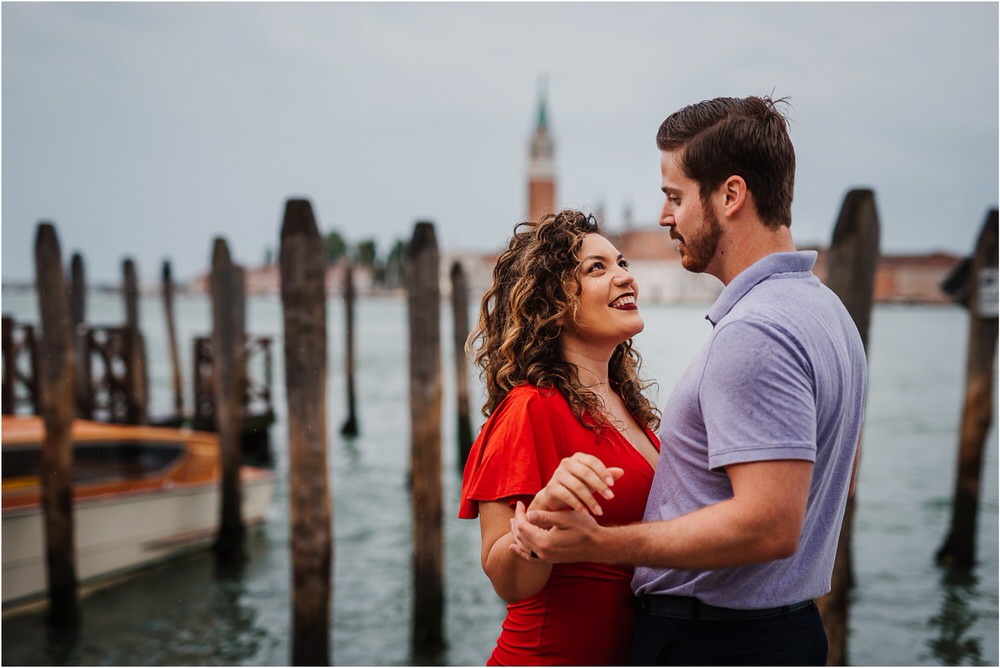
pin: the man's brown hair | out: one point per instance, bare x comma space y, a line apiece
746, 137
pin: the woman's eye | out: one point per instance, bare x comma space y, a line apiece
595, 267
623, 264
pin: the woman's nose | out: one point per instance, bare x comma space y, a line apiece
624, 278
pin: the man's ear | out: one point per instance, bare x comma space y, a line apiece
734, 195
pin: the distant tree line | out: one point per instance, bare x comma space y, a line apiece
387, 272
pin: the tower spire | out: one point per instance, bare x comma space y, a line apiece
543, 119
541, 168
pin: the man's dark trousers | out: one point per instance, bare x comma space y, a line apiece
787, 638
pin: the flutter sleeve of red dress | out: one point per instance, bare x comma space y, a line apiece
515, 453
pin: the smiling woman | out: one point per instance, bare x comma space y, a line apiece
605, 283
555, 333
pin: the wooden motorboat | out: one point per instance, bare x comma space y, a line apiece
141, 495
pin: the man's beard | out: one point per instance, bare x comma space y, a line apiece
700, 248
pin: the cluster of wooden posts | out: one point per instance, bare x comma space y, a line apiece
303, 299
79, 370
853, 256
111, 381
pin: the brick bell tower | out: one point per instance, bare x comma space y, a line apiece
541, 168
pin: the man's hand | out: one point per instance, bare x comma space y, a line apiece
564, 536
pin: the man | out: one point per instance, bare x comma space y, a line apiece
759, 435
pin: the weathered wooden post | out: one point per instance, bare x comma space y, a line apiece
975, 286
852, 260
303, 299
175, 359
350, 426
460, 331
78, 318
138, 395
18, 338
227, 357
58, 411
77, 289
242, 372
9, 398
424, 302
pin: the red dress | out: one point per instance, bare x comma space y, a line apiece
585, 614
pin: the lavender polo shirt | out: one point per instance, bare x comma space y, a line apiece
781, 377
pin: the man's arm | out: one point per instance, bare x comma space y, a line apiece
761, 522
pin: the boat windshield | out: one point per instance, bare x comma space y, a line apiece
97, 460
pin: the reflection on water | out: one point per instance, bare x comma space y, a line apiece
957, 644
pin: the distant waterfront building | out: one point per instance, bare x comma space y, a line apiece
905, 279
541, 167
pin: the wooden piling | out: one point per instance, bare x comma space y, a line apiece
130, 290
460, 332
78, 319
240, 320
350, 426
175, 359
19, 341
423, 298
9, 397
227, 360
77, 291
138, 384
303, 299
977, 291
58, 412
852, 260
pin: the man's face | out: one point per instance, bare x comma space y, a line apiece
695, 227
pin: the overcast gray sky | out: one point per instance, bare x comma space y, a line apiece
149, 129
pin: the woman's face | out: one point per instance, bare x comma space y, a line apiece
608, 312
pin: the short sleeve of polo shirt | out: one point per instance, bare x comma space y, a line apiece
757, 396
515, 458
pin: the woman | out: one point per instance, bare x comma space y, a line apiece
561, 377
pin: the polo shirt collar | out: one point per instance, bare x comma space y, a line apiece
761, 270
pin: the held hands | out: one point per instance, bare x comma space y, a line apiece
555, 536
558, 525
574, 484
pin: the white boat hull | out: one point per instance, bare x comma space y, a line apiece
114, 534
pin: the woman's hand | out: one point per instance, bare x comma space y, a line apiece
575, 483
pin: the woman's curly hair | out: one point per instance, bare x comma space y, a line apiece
536, 284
